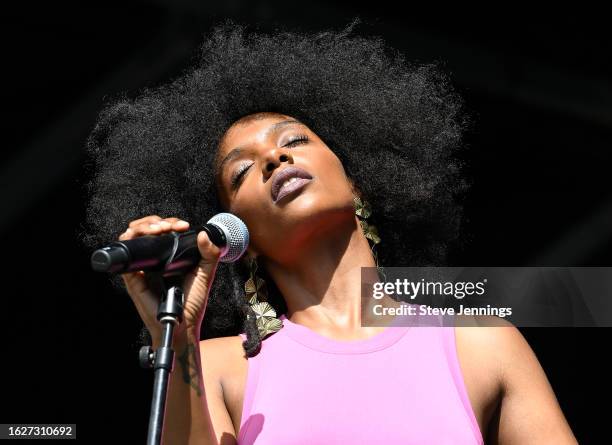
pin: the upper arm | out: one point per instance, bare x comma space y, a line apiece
529, 412
211, 354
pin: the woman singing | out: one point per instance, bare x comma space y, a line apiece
337, 154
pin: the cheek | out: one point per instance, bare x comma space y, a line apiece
259, 225
242, 200
333, 175
251, 206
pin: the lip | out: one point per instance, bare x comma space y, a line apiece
287, 173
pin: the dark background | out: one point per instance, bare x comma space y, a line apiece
539, 86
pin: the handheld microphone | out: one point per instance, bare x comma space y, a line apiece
175, 252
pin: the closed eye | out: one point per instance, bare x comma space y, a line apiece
297, 140
236, 177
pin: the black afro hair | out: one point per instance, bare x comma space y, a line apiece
396, 126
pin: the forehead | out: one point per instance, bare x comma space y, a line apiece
248, 126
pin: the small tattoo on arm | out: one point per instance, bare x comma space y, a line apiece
188, 366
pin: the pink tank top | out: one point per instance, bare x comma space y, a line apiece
401, 386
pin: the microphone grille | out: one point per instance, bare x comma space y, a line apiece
236, 233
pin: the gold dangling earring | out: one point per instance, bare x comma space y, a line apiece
363, 210
257, 295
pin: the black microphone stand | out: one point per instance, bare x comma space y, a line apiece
180, 253
170, 315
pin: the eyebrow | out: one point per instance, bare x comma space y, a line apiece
236, 152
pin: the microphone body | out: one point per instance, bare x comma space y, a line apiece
173, 253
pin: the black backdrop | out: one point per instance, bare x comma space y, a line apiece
538, 84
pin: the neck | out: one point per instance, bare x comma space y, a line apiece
322, 285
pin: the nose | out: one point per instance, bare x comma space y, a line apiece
273, 159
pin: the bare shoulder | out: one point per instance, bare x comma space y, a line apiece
224, 360
222, 351
497, 343
219, 344
494, 344
489, 334
496, 354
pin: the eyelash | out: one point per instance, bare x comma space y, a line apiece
236, 177
239, 173
297, 140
